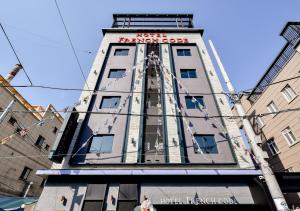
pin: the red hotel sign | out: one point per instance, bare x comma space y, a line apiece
152, 38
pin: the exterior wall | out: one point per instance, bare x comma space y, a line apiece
288, 156
22, 151
52, 194
218, 105
101, 123
201, 126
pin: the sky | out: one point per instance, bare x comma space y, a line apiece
245, 34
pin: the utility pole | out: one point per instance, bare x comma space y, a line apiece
5, 112
267, 172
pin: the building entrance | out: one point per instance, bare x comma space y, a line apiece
210, 207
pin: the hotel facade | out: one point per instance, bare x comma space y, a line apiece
152, 125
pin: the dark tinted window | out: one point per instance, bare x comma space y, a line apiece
25, 173
194, 102
92, 206
184, 52
12, 121
121, 52
206, 143
116, 73
188, 73
39, 142
110, 102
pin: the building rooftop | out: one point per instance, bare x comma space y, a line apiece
291, 33
136, 20
39, 115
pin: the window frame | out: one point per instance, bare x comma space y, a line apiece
190, 98
260, 122
272, 107
25, 173
121, 50
287, 92
12, 121
184, 52
107, 97
102, 152
204, 150
38, 140
117, 70
273, 146
288, 133
187, 71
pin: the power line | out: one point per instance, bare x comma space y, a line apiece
246, 91
71, 43
12, 47
167, 115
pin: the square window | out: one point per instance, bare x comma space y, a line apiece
272, 108
12, 121
260, 122
110, 102
184, 52
101, 144
194, 102
188, 73
206, 143
288, 93
39, 142
272, 146
289, 136
25, 173
116, 73
121, 52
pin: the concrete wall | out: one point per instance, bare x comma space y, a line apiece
52, 194
21, 151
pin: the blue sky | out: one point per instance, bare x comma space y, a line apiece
245, 33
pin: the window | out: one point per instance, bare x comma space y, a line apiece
12, 121
272, 146
272, 108
206, 143
110, 102
188, 73
25, 173
121, 52
194, 102
288, 93
289, 136
260, 122
101, 144
39, 142
54, 130
184, 52
47, 147
116, 73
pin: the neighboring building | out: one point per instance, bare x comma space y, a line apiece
280, 132
25, 141
148, 130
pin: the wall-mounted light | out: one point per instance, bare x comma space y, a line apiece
133, 141
174, 142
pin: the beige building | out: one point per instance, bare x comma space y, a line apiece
26, 139
280, 132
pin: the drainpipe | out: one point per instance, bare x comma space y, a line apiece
27, 189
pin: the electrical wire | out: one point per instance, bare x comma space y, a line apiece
167, 115
246, 91
71, 43
12, 47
